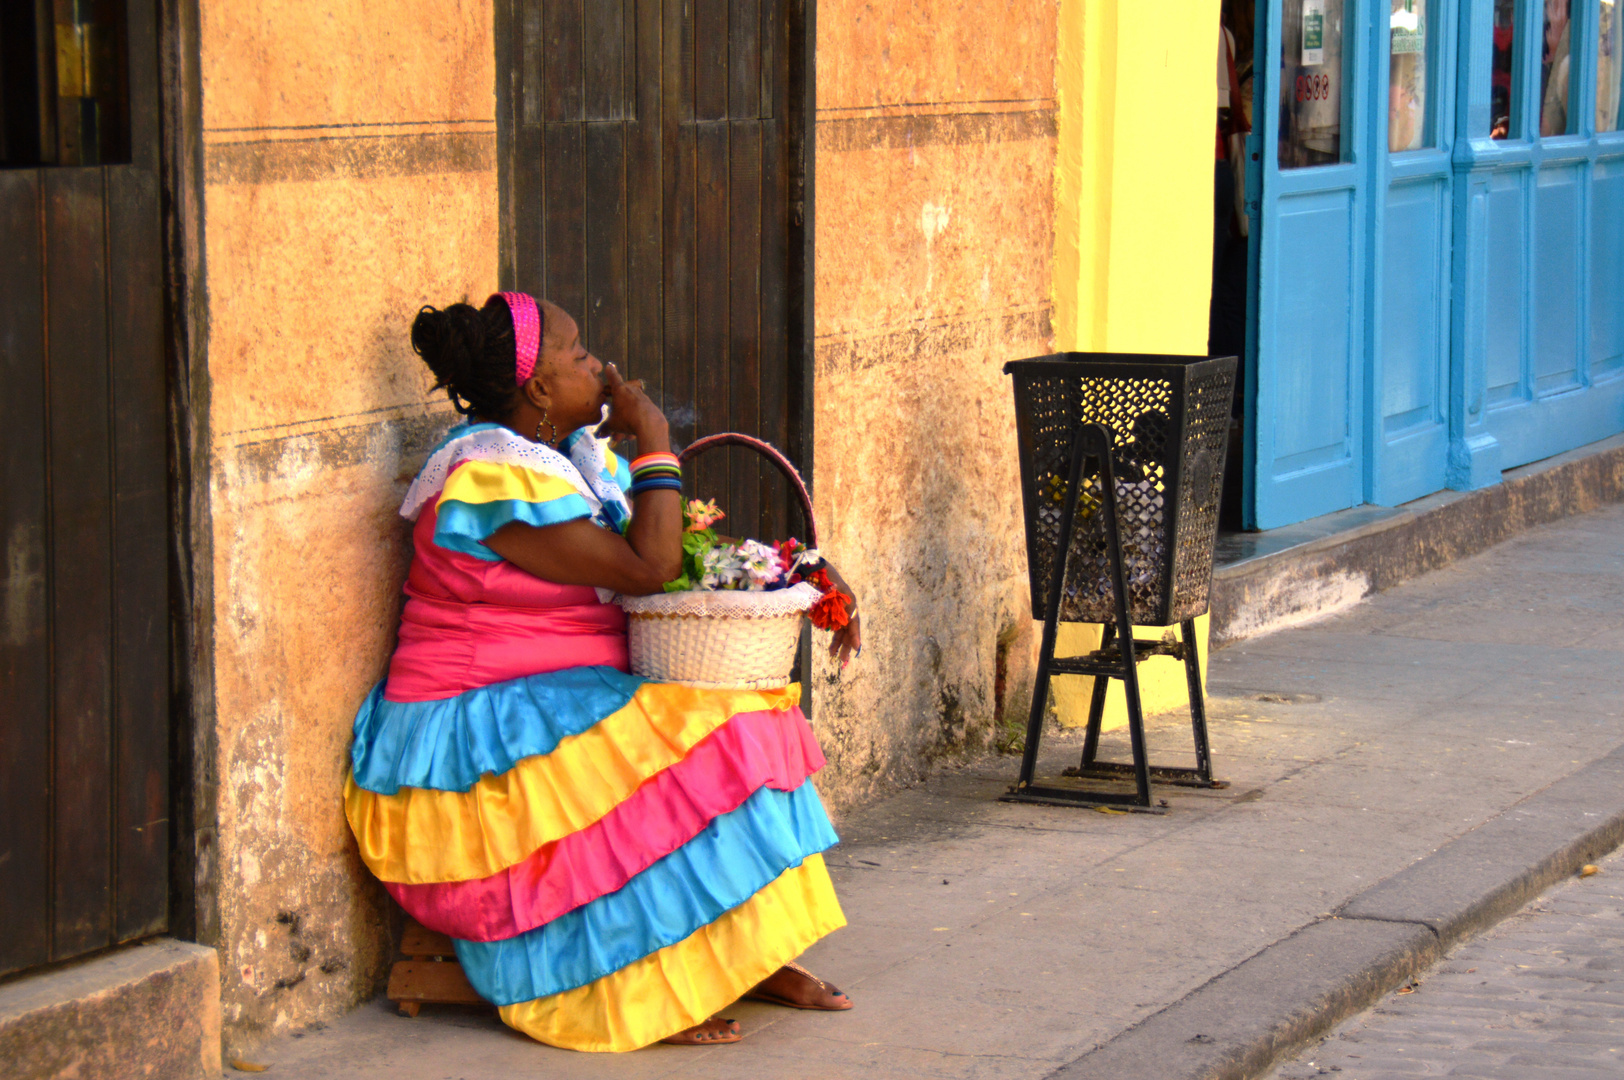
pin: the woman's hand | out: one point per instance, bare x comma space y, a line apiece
581, 553
633, 414
847, 642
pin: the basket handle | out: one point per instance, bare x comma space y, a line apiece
772, 454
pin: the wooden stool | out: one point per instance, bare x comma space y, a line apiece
429, 974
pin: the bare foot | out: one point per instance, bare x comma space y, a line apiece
712, 1032
798, 988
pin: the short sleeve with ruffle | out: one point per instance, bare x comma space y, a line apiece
484, 476
482, 496
622, 470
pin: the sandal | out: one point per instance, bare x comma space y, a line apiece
838, 1001
701, 1034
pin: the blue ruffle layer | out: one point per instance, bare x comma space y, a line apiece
450, 743
733, 858
465, 527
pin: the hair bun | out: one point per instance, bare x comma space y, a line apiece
470, 352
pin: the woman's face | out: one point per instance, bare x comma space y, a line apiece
571, 376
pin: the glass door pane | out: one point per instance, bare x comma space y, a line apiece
1608, 68
1554, 73
1310, 83
1505, 26
1407, 116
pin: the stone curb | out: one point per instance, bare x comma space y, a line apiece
151, 1009
1240, 1023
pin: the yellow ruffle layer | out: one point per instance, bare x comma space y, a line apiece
420, 835
478, 482
683, 984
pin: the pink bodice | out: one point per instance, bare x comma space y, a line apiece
470, 622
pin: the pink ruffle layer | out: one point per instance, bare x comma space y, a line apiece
752, 750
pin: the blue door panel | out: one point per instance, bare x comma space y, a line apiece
1556, 281
1607, 270
1314, 333
1507, 242
1414, 307
1410, 446
1535, 430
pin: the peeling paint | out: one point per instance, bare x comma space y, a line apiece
934, 255
1294, 599
334, 213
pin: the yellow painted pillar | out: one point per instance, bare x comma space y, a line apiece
1133, 226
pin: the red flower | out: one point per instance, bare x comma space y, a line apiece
830, 612
787, 550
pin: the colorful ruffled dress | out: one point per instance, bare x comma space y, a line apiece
616, 859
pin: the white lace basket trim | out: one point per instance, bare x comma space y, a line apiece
723, 603
582, 470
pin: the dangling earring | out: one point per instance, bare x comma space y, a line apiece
550, 425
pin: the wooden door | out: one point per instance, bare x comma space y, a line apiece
1305, 405
1412, 56
84, 607
654, 164
1546, 187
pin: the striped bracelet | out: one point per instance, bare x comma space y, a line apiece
656, 458
658, 471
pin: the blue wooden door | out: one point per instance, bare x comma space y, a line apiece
1305, 392
1412, 49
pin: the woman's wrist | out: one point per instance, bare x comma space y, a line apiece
653, 438
656, 470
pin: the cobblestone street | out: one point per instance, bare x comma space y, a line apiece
1539, 996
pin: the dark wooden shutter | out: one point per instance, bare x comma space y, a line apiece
84, 611
653, 159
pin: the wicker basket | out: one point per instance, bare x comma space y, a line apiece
723, 638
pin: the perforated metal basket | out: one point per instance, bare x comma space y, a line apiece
1169, 423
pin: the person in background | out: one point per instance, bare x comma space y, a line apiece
1554, 73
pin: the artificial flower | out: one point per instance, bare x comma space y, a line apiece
760, 564
830, 612
701, 515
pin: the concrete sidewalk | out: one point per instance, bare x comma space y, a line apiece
995, 940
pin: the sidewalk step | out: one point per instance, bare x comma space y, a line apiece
1286, 577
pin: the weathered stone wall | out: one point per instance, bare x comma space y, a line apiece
350, 178
934, 188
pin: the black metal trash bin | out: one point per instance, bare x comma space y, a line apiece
1152, 430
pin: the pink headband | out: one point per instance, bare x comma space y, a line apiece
526, 333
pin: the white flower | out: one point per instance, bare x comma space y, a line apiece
724, 569
759, 563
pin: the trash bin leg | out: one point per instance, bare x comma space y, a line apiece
1040, 704
1051, 618
1198, 702
1101, 440
1096, 706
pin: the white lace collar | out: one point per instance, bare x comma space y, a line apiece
585, 469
